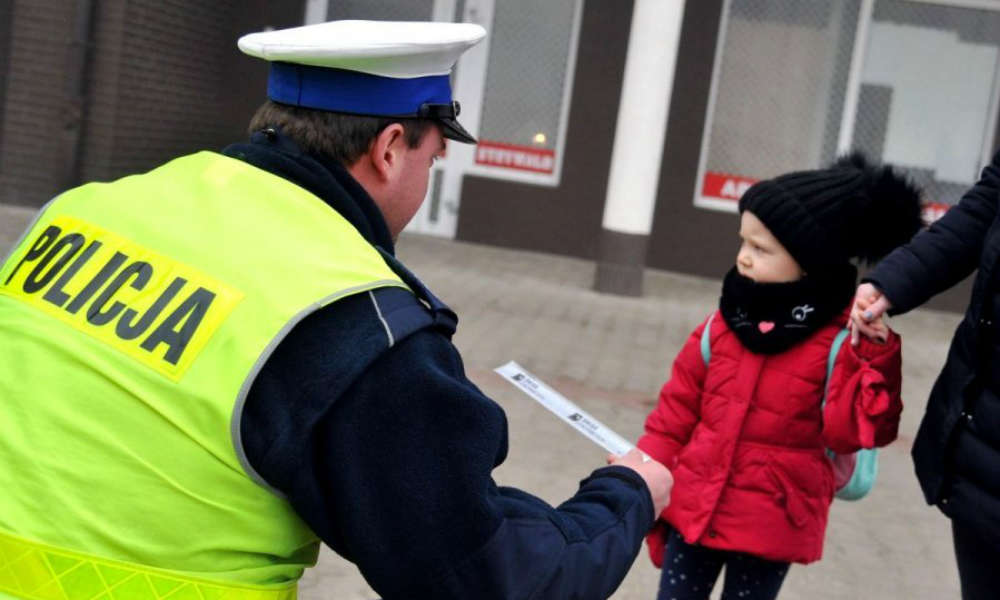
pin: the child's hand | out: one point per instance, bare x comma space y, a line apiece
881, 330
866, 314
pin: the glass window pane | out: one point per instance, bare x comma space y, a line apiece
526, 78
927, 92
779, 96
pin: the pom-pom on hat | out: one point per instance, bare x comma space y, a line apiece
375, 68
826, 217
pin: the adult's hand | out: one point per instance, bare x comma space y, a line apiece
869, 306
657, 477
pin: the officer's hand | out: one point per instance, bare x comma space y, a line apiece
657, 477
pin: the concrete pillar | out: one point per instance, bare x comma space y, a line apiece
638, 146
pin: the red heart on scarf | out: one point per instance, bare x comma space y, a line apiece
765, 326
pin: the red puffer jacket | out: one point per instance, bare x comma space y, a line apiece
745, 437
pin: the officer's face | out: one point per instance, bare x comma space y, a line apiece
413, 176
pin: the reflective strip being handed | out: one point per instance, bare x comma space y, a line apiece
38, 572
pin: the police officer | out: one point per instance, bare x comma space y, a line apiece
210, 367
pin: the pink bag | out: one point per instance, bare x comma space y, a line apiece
843, 469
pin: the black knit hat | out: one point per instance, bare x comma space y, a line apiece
826, 217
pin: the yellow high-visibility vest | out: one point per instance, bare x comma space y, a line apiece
134, 316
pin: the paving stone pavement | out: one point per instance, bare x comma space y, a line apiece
611, 355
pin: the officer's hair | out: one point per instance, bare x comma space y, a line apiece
339, 136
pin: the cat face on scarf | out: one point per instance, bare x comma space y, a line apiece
761, 257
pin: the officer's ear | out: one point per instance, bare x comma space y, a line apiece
386, 151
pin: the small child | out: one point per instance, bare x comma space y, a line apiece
745, 435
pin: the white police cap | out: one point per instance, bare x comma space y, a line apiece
378, 68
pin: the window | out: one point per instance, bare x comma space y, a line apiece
910, 82
778, 92
529, 77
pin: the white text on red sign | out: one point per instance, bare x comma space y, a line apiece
725, 186
523, 158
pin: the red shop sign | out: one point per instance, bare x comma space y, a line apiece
724, 186
522, 158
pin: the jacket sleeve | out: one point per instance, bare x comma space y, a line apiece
946, 252
394, 473
669, 425
863, 401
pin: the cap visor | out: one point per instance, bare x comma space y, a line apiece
454, 131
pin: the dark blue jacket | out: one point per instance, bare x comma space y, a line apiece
957, 450
363, 417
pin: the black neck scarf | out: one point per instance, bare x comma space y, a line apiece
769, 318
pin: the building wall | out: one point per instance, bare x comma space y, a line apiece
103, 93
6, 12
158, 94
564, 219
34, 111
164, 78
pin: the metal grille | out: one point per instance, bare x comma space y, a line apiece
782, 81
388, 10
926, 99
526, 74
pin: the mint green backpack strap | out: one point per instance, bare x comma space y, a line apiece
706, 341
866, 460
832, 359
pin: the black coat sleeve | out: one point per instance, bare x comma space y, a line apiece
392, 469
946, 252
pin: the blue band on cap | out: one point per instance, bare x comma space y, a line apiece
341, 90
